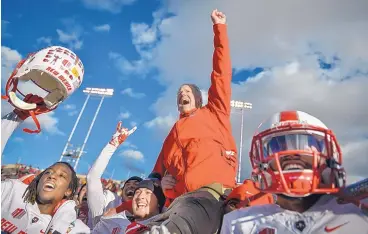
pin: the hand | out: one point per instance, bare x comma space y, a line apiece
168, 182
30, 98
218, 17
120, 135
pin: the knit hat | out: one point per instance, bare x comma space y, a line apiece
155, 188
197, 95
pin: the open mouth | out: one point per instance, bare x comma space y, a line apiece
289, 165
129, 193
141, 205
48, 187
184, 101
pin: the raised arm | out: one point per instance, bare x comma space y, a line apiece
219, 94
95, 193
9, 123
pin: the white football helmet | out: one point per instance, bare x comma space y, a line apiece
53, 73
295, 154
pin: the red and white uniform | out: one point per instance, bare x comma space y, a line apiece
100, 200
18, 216
9, 123
118, 223
323, 217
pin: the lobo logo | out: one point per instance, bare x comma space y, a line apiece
60, 77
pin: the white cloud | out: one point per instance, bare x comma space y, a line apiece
113, 6
9, 59
133, 124
44, 40
287, 40
133, 154
128, 144
144, 38
129, 92
163, 123
72, 34
71, 39
124, 115
102, 28
68, 107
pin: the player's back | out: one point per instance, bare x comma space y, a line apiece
323, 217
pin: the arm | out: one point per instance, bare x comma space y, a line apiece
219, 93
95, 192
9, 123
96, 196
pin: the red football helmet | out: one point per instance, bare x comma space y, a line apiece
295, 154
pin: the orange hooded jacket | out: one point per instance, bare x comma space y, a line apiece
200, 148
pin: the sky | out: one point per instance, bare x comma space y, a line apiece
310, 56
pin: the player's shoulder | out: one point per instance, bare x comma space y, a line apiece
14, 185
332, 203
253, 211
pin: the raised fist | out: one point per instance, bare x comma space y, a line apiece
120, 135
218, 17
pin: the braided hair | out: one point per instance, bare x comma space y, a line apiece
30, 195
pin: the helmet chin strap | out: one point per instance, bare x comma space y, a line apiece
35, 120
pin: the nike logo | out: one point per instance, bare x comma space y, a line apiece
334, 228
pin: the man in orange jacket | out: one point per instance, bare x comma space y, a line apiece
199, 154
200, 148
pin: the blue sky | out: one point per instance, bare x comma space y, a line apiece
144, 49
24, 30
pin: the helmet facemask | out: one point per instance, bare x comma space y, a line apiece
297, 160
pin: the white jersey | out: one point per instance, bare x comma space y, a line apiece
117, 223
18, 216
9, 123
100, 200
323, 217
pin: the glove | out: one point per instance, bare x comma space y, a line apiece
30, 98
121, 135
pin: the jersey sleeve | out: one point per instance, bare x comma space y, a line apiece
9, 123
96, 196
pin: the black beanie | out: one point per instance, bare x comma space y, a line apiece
156, 189
197, 95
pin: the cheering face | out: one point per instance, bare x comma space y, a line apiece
297, 162
54, 184
128, 190
144, 204
185, 99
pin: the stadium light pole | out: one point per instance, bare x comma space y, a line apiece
95, 92
240, 105
90, 92
74, 127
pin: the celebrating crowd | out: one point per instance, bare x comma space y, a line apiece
297, 183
